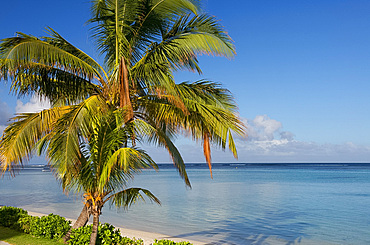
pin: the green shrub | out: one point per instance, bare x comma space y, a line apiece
81, 235
129, 241
9, 216
55, 227
27, 223
169, 242
107, 234
51, 226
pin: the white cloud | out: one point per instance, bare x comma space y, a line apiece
299, 151
267, 142
35, 104
263, 128
287, 135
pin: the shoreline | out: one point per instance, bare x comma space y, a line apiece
147, 237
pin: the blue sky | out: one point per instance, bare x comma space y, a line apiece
301, 76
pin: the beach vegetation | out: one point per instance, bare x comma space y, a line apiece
51, 226
107, 234
49, 229
10, 216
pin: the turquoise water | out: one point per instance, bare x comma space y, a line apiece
243, 204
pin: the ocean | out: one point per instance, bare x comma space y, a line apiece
243, 204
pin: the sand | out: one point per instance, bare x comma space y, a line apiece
147, 237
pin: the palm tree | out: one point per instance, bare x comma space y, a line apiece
103, 166
143, 42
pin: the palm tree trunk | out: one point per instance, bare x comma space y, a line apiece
94, 232
81, 221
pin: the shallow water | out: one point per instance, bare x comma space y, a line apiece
243, 204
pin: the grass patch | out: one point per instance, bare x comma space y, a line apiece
19, 238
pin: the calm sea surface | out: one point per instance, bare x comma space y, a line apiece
243, 204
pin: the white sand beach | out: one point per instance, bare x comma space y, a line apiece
147, 237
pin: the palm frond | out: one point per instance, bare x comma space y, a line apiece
22, 134
70, 131
212, 113
111, 28
203, 34
173, 7
130, 196
187, 38
162, 137
125, 162
55, 84
49, 67
57, 40
25, 50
